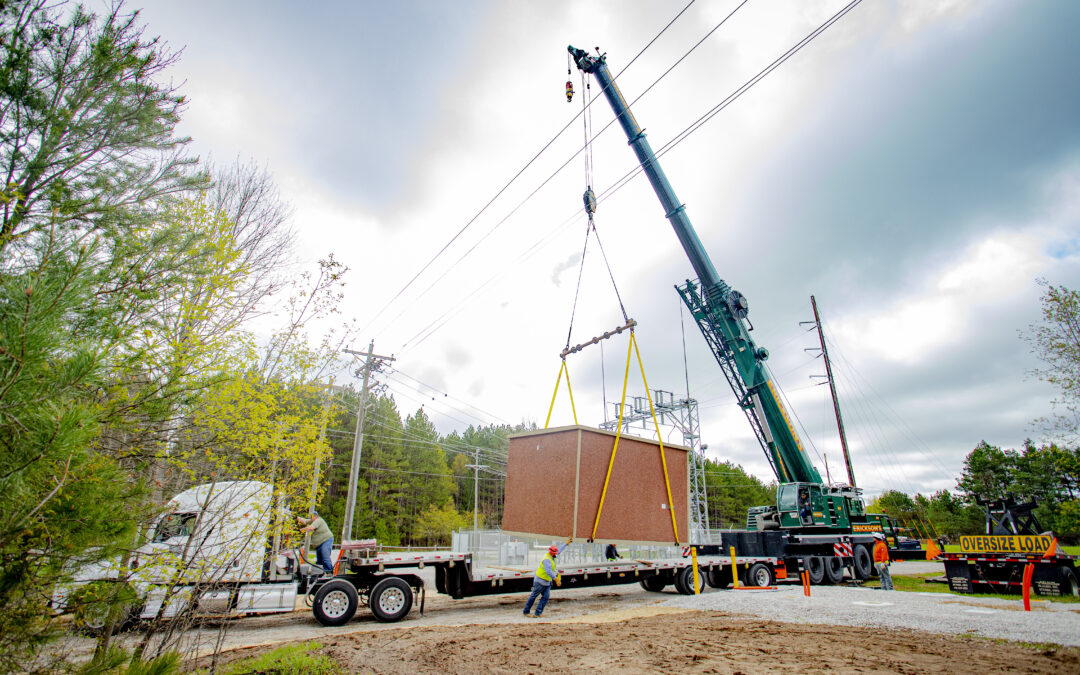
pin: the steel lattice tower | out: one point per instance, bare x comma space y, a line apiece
681, 414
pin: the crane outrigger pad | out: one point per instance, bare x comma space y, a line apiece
555, 478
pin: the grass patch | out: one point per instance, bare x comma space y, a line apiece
916, 583
294, 659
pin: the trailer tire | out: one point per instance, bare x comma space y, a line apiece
654, 584
834, 570
1068, 582
815, 568
864, 564
335, 603
718, 577
684, 580
760, 574
391, 599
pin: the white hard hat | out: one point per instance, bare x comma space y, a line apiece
879, 535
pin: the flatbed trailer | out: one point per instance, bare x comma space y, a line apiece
389, 584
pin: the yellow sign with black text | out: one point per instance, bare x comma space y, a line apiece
1035, 544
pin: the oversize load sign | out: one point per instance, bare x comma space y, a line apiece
1036, 544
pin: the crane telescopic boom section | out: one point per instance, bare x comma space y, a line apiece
719, 310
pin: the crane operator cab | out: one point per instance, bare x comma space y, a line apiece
806, 514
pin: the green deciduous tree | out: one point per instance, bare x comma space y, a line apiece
1056, 343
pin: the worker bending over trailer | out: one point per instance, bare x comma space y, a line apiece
546, 573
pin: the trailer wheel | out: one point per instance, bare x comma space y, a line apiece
1068, 582
93, 602
684, 580
864, 565
815, 567
834, 569
391, 599
760, 574
335, 603
654, 584
718, 577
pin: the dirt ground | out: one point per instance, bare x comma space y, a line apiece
662, 639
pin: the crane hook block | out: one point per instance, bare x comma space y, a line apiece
569, 91
590, 201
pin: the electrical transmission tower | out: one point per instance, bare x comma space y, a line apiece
682, 414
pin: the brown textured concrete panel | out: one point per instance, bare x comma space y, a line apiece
540, 473
636, 503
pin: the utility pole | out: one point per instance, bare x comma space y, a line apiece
476, 486
832, 389
372, 362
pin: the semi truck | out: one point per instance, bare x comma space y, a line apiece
824, 527
215, 549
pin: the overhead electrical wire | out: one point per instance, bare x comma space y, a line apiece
671, 144
514, 178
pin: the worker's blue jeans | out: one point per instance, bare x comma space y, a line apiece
885, 576
538, 589
323, 553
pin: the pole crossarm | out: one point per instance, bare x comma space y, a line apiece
629, 325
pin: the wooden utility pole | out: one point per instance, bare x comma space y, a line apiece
372, 362
832, 389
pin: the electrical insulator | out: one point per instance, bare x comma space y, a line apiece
569, 91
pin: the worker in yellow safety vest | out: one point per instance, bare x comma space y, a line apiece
546, 574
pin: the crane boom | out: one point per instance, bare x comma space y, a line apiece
719, 310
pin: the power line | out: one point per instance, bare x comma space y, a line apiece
675, 141
505, 187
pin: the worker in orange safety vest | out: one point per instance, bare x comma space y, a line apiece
881, 561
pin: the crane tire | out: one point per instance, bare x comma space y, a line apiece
391, 599
815, 568
654, 584
335, 603
760, 574
864, 563
834, 570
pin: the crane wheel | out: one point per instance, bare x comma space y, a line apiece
815, 567
864, 564
834, 570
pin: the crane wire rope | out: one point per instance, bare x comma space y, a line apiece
671, 144
585, 148
507, 185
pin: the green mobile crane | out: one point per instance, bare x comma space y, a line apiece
813, 515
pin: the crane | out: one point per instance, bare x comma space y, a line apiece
721, 313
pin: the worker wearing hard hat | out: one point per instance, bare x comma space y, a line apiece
547, 573
881, 561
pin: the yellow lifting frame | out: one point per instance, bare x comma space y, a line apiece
632, 348
554, 394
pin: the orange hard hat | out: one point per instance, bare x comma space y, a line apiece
553, 549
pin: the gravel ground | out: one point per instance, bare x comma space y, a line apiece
1057, 623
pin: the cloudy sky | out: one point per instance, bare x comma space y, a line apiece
916, 167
